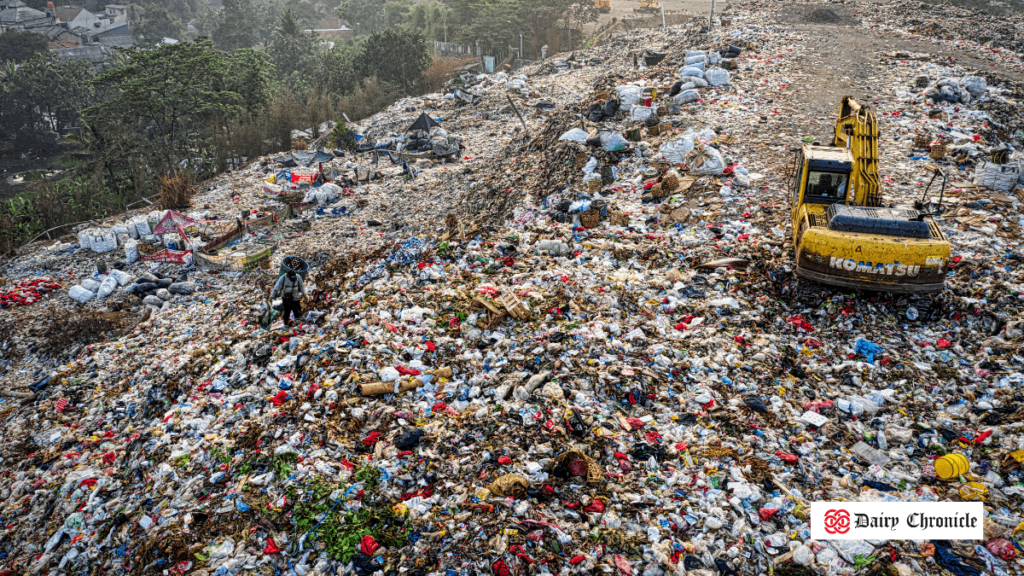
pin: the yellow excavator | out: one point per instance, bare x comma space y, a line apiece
603, 6
842, 234
648, 6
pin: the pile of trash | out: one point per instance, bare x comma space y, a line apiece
575, 346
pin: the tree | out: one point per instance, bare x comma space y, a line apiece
394, 56
237, 27
156, 25
251, 75
41, 98
429, 19
183, 10
579, 14
363, 16
19, 46
164, 98
296, 54
337, 69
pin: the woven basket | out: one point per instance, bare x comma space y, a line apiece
938, 152
993, 530
921, 141
618, 219
662, 166
590, 218
594, 185
594, 472
658, 191
654, 130
581, 159
662, 110
509, 485
670, 183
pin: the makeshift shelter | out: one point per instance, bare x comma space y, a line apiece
424, 123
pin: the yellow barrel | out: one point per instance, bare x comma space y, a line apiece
951, 466
973, 491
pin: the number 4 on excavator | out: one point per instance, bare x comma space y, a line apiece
842, 233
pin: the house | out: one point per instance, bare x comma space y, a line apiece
117, 36
118, 13
95, 54
75, 17
16, 14
331, 27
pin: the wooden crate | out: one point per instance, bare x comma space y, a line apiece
514, 306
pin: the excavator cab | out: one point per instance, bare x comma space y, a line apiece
842, 234
822, 175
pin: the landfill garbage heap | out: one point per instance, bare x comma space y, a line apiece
576, 346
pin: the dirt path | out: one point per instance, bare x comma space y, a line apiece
842, 57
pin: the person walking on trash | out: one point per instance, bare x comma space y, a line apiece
292, 290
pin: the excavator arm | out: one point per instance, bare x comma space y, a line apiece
857, 129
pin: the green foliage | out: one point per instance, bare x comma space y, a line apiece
184, 10
172, 92
297, 55
427, 18
394, 56
42, 96
336, 70
157, 23
363, 16
343, 137
250, 74
238, 27
284, 464
496, 23
369, 475
341, 531
220, 456
19, 46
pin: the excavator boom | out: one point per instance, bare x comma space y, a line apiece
857, 129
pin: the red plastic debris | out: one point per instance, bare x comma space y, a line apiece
368, 545
27, 292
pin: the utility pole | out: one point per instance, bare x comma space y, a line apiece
520, 38
711, 20
663, 14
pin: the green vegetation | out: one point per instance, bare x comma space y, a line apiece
240, 80
341, 531
284, 464
19, 46
343, 137
369, 475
